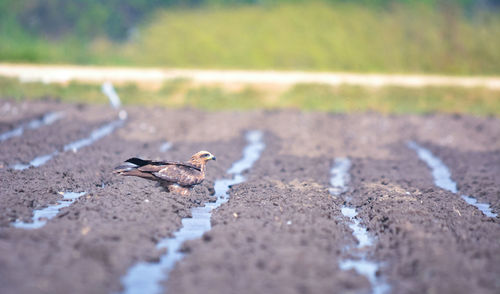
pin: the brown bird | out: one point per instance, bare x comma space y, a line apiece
176, 177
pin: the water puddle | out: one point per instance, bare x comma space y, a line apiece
73, 146
338, 181
484, 207
108, 90
359, 232
440, 172
146, 277
45, 120
369, 270
35, 162
442, 177
94, 136
340, 176
41, 216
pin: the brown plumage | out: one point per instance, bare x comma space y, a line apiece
176, 177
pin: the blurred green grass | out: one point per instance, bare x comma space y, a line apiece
310, 35
391, 99
321, 36
308, 97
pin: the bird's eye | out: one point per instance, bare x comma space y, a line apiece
206, 155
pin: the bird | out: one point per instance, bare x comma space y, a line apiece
176, 177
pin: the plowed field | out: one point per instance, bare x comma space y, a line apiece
283, 230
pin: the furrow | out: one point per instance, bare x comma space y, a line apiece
36, 144
470, 148
280, 232
105, 231
47, 119
15, 114
41, 216
429, 239
442, 177
146, 277
73, 146
358, 256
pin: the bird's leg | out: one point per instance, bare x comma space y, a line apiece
179, 190
166, 186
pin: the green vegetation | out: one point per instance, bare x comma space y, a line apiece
392, 99
115, 18
318, 36
311, 97
432, 36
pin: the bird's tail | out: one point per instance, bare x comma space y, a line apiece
129, 167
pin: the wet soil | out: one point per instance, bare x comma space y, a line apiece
281, 231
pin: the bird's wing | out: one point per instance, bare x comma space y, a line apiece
152, 164
181, 174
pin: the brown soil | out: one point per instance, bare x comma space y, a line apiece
281, 231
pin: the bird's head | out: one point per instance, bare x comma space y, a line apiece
201, 157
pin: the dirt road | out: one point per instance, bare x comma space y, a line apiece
287, 228
66, 73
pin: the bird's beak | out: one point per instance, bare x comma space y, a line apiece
213, 157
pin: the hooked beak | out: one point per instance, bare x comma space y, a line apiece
213, 157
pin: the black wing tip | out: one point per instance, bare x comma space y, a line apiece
138, 161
